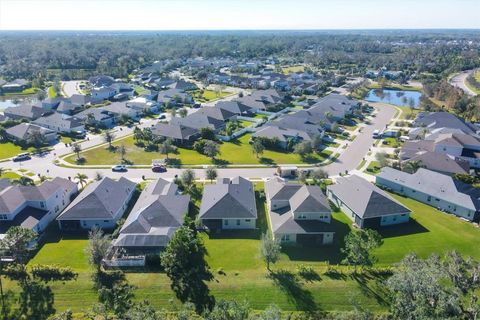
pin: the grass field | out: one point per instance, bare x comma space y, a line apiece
391, 142
8, 150
373, 168
293, 69
139, 89
51, 92
245, 277
471, 86
234, 152
209, 95
9, 175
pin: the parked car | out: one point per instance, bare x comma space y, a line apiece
159, 168
22, 157
119, 168
162, 116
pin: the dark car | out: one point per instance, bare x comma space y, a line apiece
159, 168
22, 157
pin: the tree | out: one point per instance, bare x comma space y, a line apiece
37, 139
97, 248
81, 178
173, 112
184, 263
302, 176
258, 147
183, 112
229, 310
211, 174
123, 152
17, 242
318, 175
188, 178
41, 95
207, 133
24, 181
108, 137
269, 249
211, 149
272, 312
358, 247
77, 148
316, 142
412, 166
382, 159
166, 147
435, 289
142, 311
302, 149
118, 298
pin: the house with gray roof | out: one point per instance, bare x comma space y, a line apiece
158, 213
102, 203
178, 133
365, 204
298, 213
61, 123
229, 204
174, 97
336, 105
235, 107
26, 111
434, 120
24, 132
435, 189
119, 109
198, 120
33, 207
439, 162
97, 117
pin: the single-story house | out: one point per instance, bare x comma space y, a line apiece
16, 85
61, 123
157, 214
229, 204
174, 97
101, 203
97, 116
435, 189
103, 93
25, 131
365, 204
26, 111
298, 213
178, 133
68, 107
119, 109
142, 104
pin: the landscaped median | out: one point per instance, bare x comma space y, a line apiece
236, 152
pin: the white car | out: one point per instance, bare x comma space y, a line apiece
119, 168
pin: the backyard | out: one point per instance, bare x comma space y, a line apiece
209, 95
240, 273
233, 152
8, 150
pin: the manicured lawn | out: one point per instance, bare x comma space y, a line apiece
245, 123
234, 152
9, 175
26, 92
391, 143
209, 95
373, 168
139, 89
51, 92
8, 150
293, 69
408, 113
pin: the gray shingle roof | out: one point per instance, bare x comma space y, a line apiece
365, 199
283, 222
309, 199
229, 199
173, 131
443, 120
441, 162
23, 131
99, 200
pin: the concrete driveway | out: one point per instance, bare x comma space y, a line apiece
70, 88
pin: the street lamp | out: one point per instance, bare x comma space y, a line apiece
2, 261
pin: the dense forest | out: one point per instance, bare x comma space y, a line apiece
436, 53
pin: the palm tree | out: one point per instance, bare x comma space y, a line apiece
123, 151
24, 181
81, 178
76, 148
108, 137
412, 166
211, 174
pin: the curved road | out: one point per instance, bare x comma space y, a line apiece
348, 160
459, 80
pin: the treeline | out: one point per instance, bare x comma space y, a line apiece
29, 55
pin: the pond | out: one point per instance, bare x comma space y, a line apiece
15, 101
396, 97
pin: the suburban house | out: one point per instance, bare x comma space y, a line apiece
119, 109
235, 107
103, 93
97, 116
61, 123
174, 97
157, 214
142, 104
101, 203
440, 162
229, 204
365, 204
33, 207
16, 85
80, 99
178, 133
68, 107
435, 189
25, 111
337, 106
25, 132
298, 213
198, 120
435, 120
101, 81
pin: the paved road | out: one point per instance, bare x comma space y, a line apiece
347, 161
70, 88
459, 79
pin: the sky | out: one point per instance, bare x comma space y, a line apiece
237, 14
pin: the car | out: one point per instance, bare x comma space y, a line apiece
162, 116
119, 168
22, 157
159, 168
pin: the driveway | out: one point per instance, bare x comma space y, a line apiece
458, 81
348, 160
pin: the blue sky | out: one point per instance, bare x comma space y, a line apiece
236, 14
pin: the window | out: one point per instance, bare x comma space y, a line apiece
225, 222
429, 198
302, 216
105, 220
238, 222
3, 217
42, 204
247, 220
285, 238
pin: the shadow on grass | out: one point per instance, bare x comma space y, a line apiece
372, 285
234, 234
266, 161
220, 162
404, 229
289, 283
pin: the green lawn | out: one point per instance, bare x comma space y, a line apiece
391, 142
9, 175
245, 277
209, 95
373, 168
293, 69
26, 92
51, 92
235, 152
408, 113
8, 150
139, 89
